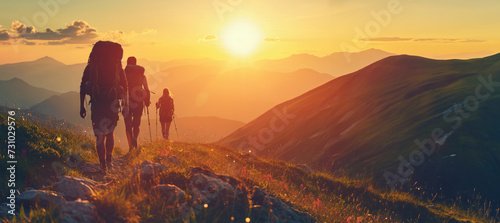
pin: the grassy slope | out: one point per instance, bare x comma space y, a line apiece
326, 197
362, 123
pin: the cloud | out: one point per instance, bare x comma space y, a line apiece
209, 37
114, 35
4, 34
272, 39
26, 42
386, 39
449, 40
123, 38
473, 41
77, 32
436, 40
149, 31
21, 29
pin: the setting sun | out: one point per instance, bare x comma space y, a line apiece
241, 37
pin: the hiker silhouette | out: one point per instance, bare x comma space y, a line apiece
139, 96
166, 106
105, 82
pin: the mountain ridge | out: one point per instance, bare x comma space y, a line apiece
362, 122
19, 94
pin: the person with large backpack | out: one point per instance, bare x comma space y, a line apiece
139, 96
105, 82
166, 106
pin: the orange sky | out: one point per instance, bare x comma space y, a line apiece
164, 30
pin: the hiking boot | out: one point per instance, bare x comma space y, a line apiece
109, 165
103, 166
103, 170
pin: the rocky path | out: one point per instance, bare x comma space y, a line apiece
205, 195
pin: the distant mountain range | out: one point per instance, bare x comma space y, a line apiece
431, 122
46, 73
49, 73
205, 87
239, 94
335, 64
63, 107
191, 129
16, 93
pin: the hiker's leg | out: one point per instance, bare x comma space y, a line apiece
128, 130
136, 123
110, 143
167, 129
101, 150
162, 129
96, 117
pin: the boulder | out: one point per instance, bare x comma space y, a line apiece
170, 193
275, 209
148, 169
73, 188
4, 209
90, 168
79, 211
219, 197
42, 198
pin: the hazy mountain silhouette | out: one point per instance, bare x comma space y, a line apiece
239, 94
335, 64
45, 72
369, 120
18, 94
205, 87
156, 66
204, 129
48, 73
62, 107
191, 129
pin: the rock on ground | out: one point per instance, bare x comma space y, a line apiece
90, 168
148, 169
267, 208
70, 211
170, 193
217, 198
73, 188
40, 197
79, 211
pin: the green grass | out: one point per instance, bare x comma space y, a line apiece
38, 148
327, 197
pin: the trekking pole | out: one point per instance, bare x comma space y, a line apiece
175, 125
149, 124
156, 130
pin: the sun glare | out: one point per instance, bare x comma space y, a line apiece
241, 37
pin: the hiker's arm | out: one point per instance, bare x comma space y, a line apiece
148, 93
158, 104
124, 85
83, 112
173, 107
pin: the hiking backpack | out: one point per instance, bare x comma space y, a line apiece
167, 105
103, 69
135, 76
